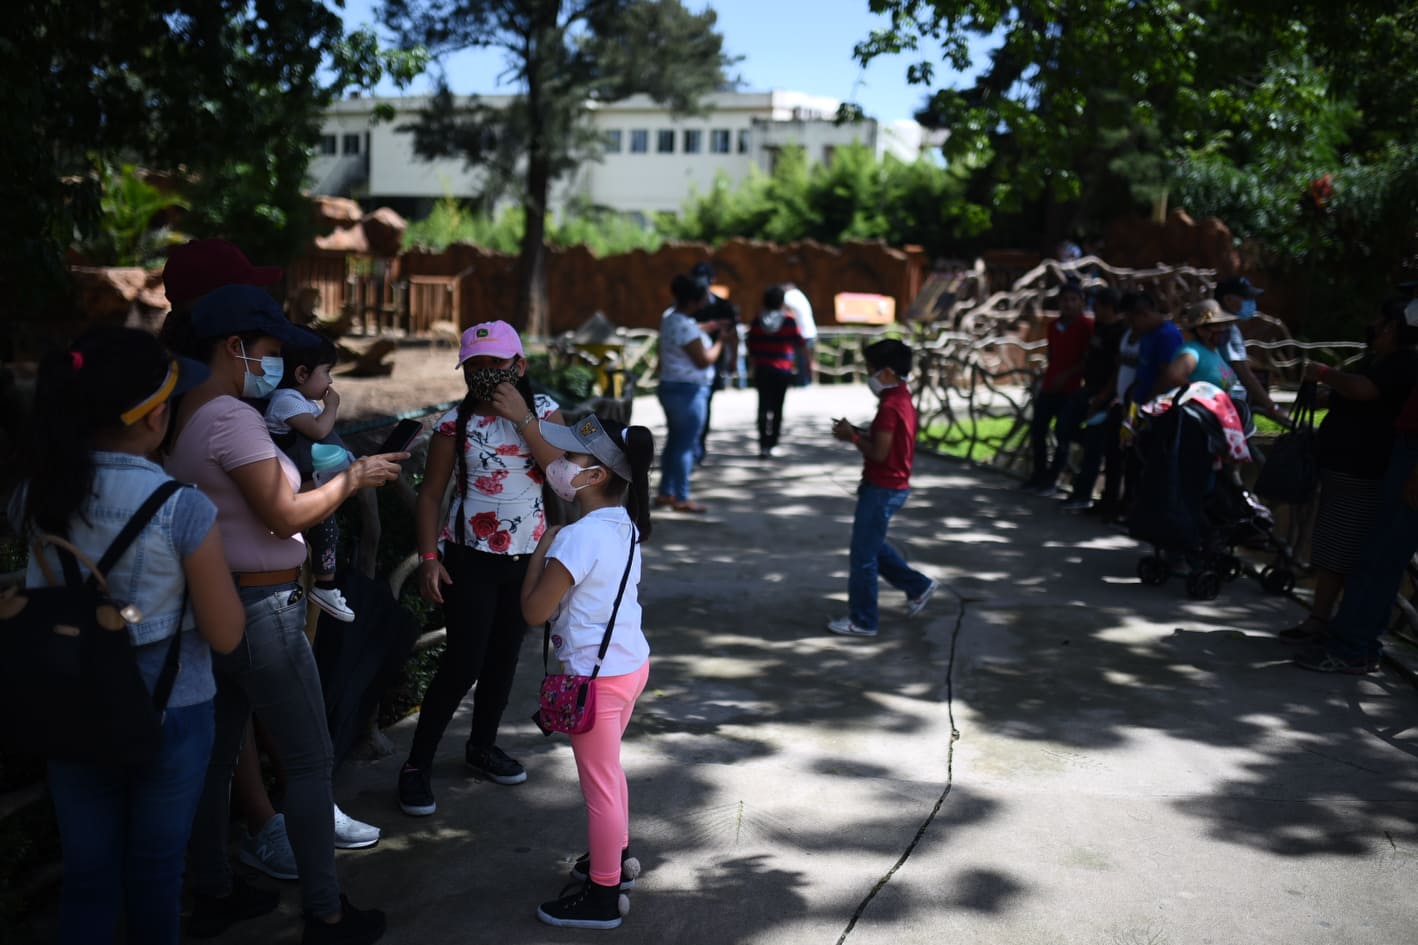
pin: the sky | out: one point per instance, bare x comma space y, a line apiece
800, 45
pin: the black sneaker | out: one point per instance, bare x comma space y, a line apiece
213, 915
629, 869
416, 792
495, 764
356, 927
592, 907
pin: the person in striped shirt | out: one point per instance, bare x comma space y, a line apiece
774, 343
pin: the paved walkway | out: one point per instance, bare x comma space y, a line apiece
1051, 753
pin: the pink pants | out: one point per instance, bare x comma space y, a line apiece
602, 777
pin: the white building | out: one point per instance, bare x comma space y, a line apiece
653, 161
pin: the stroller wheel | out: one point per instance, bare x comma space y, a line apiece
1277, 580
1203, 585
1153, 571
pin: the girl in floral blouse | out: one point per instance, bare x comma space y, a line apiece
494, 453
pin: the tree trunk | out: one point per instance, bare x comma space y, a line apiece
531, 266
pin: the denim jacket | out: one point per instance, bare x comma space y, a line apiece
148, 576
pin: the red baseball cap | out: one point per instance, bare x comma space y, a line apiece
196, 268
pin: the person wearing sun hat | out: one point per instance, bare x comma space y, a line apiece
473, 555
102, 406
1200, 358
221, 444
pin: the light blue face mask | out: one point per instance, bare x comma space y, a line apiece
259, 386
1247, 309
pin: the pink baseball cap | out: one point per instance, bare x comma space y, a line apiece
491, 339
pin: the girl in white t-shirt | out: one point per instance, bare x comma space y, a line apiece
302, 412
573, 580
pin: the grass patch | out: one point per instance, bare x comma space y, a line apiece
987, 433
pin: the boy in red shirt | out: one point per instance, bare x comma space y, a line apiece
888, 446
1060, 399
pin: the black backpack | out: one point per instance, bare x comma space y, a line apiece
70, 688
1290, 472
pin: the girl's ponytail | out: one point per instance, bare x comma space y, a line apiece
640, 450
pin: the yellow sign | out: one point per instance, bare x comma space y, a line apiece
864, 308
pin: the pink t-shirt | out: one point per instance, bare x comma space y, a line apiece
225, 434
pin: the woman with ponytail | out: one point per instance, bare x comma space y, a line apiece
101, 409
575, 580
475, 555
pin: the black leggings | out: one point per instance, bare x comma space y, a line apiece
483, 609
772, 387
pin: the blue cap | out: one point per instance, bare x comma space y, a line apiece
238, 309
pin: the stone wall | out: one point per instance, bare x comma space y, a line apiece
632, 289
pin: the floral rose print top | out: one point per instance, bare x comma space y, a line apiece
501, 499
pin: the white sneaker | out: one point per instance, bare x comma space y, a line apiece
351, 834
844, 626
269, 851
914, 605
330, 600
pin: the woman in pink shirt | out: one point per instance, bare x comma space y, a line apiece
222, 445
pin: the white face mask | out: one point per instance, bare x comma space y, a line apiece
559, 474
876, 384
258, 386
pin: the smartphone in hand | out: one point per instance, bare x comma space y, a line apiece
401, 437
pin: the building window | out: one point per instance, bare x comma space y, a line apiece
351, 144
665, 141
328, 144
639, 141
719, 141
828, 150
613, 141
773, 152
743, 140
693, 141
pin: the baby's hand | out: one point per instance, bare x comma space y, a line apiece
332, 398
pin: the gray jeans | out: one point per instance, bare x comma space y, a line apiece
273, 674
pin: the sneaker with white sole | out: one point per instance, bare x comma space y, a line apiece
330, 600
844, 626
591, 907
351, 834
914, 605
494, 764
416, 792
269, 851
629, 869
1078, 505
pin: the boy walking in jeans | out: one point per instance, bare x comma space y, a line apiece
888, 446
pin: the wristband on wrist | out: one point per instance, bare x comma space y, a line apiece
522, 424
428, 556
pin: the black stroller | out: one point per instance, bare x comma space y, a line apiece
1193, 512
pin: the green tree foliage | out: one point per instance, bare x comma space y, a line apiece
128, 206
855, 197
562, 57
1090, 108
226, 95
602, 232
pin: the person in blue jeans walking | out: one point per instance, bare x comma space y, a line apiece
101, 407
687, 358
888, 447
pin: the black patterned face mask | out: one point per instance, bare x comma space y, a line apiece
483, 381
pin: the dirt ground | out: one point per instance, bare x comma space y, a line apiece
422, 375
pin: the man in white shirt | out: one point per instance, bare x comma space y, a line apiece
794, 299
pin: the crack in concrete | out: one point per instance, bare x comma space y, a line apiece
949, 775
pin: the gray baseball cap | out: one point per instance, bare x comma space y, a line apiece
588, 436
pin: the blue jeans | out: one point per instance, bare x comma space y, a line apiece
686, 408
871, 556
272, 672
123, 832
1369, 590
